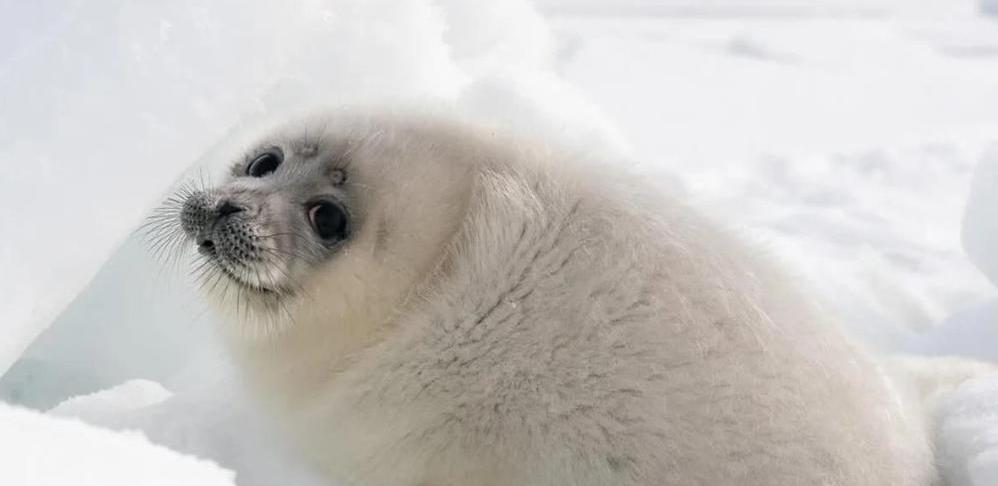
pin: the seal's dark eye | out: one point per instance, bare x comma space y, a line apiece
264, 164
328, 220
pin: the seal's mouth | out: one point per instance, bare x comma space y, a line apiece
252, 287
238, 265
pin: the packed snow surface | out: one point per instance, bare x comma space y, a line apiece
42, 450
855, 140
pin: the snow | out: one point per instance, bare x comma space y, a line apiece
856, 140
765, 8
134, 320
980, 227
41, 450
127, 397
214, 421
968, 434
972, 332
818, 137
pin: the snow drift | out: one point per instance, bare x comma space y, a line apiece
40, 450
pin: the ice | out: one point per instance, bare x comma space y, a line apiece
41, 450
980, 222
764, 8
214, 421
134, 320
972, 332
968, 434
491, 36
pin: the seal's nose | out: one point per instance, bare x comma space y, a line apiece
206, 247
226, 208
223, 210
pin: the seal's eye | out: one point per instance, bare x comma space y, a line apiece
328, 220
264, 164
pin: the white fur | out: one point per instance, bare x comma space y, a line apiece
507, 316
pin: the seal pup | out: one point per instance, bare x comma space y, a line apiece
422, 303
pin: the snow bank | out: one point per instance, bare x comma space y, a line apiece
114, 402
980, 222
972, 332
489, 36
763, 8
213, 421
40, 450
968, 434
134, 320
816, 137
875, 234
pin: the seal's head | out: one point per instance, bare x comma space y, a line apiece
327, 222
271, 221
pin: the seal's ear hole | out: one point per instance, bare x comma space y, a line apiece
338, 176
265, 163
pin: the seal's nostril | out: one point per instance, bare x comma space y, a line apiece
206, 247
226, 208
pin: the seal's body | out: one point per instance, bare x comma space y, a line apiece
479, 312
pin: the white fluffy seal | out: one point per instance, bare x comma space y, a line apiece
421, 303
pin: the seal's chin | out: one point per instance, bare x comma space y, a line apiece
253, 308
245, 280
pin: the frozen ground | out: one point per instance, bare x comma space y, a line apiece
844, 138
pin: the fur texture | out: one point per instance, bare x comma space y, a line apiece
505, 315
